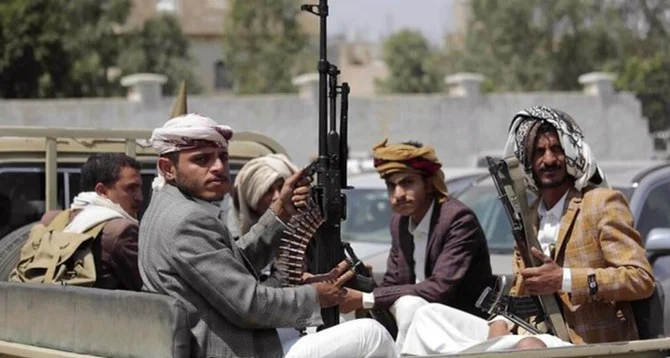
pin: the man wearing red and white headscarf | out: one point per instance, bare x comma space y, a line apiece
427, 227
188, 253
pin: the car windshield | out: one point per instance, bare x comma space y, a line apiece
483, 200
368, 216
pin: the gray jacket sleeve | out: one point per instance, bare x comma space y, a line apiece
208, 262
261, 242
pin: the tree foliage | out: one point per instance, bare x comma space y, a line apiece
649, 79
262, 42
530, 45
413, 66
160, 47
70, 48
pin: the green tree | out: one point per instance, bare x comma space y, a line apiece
160, 46
649, 79
59, 48
531, 45
30, 47
413, 65
262, 42
69, 48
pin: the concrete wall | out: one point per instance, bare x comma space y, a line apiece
459, 124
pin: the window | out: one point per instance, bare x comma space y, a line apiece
217, 4
484, 201
166, 5
22, 197
222, 79
368, 216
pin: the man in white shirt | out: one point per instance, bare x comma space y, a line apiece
591, 254
438, 252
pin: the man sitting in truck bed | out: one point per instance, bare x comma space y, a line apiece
111, 187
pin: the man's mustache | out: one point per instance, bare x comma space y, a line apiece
223, 179
548, 168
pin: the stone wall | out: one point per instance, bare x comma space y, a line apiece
460, 124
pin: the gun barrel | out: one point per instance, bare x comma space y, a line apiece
344, 133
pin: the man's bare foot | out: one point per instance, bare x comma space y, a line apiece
529, 343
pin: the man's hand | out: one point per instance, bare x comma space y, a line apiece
543, 280
352, 301
292, 196
343, 270
331, 292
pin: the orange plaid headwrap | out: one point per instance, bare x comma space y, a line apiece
389, 159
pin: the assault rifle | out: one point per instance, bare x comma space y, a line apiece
331, 164
508, 177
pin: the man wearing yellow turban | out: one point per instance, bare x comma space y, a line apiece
427, 226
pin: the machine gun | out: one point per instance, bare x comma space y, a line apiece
331, 164
365, 282
516, 309
508, 177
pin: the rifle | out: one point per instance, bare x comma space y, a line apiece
331, 164
516, 309
508, 178
365, 282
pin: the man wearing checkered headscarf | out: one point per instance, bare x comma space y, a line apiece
581, 164
591, 255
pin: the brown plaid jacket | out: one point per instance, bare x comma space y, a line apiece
597, 236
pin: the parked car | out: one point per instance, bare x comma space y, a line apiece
369, 214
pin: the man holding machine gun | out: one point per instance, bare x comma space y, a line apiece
591, 256
429, 227
187, 252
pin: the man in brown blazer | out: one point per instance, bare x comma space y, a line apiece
592, 255
427, 226
111, 191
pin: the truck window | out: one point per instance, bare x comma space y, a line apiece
22, 197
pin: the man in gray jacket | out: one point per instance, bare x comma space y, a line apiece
187, 252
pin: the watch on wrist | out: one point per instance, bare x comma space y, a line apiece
593, 284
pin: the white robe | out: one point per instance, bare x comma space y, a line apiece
440, 329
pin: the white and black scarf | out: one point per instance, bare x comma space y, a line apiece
580, 161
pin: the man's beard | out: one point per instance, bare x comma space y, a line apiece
566, 178
192, 187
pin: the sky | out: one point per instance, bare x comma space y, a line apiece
373, 19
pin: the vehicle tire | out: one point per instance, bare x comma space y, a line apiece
10, 249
